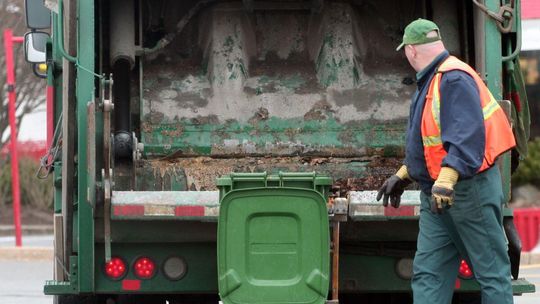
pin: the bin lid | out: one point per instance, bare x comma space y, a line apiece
273, 246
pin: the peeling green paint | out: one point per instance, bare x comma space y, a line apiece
274, 136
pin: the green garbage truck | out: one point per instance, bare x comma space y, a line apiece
230, 151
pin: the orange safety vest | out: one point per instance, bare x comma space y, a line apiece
499, 137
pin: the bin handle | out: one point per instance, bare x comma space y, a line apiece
258, 176
283, 176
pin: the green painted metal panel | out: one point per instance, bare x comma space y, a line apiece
58, 288
137, 231
370, 273
493, 62
85, 89
493, 52
360, 273
276, 135
520, 286
273, 241
67, 287
57, 184
56, 81
200, 259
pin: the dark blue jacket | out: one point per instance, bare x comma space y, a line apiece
462, 125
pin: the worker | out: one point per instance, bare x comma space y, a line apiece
455, 133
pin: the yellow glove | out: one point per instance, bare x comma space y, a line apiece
393, 187
403, 173
442, 192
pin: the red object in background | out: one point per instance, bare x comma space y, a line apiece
530, 9
527, 222
33, 149
9, 40
50, 116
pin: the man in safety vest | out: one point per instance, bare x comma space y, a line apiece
456, 132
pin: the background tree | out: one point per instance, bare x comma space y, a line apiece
30, 89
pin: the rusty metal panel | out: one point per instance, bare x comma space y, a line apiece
200, 173
235, 82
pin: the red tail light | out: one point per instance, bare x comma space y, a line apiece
464, 271
144, 268
115, 268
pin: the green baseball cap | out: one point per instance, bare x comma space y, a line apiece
416, 33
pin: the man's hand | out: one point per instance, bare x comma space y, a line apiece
442, 192
393, 187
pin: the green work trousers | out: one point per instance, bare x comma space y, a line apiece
472, 230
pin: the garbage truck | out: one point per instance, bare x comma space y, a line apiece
206, 150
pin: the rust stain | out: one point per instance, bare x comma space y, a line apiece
201, 172
319, 111
260, 115
147, 127
176, 132
377, 171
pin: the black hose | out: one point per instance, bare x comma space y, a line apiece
514, 245
122, 109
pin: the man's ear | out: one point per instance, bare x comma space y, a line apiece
412, 50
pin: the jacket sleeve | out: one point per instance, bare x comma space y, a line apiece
462, 123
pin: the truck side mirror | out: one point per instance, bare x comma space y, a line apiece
34, 46
38, 16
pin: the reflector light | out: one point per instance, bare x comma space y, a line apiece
465, 271
404, 268
115, 268
144, 268
174, 268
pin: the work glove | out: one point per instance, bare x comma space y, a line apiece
442, 192
394, 186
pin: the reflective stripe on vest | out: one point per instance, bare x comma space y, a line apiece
499, 137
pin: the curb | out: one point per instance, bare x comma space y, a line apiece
8, 230
528, 258
26, 253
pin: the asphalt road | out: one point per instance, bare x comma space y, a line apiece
532, 274
28, 241
21, 282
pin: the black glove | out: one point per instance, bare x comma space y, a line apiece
393, 188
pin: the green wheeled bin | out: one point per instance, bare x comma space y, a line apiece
273, 238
